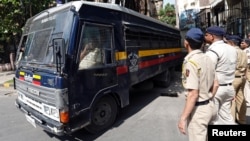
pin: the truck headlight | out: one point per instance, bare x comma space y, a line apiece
54, 112
51, 111
46, 110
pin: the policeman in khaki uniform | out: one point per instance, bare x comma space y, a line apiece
238, 108
245, 45
200, 81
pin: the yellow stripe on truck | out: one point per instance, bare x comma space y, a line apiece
38, 77
144, 53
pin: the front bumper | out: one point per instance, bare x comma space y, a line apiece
47, 124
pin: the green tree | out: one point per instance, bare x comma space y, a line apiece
167, 14
14, 13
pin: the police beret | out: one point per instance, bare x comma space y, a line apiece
215, 30
195, 34
233, 38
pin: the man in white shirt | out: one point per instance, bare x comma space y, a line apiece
224, 57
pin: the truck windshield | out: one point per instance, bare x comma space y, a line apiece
37, 43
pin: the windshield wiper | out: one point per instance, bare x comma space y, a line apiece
43, 64
34, 63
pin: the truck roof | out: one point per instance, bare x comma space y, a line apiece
111, 6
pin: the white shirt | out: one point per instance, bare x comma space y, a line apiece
224, 57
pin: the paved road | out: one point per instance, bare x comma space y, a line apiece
149, 117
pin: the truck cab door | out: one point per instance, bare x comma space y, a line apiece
97, 69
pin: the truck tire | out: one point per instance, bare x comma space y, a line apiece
103, 115
164, 79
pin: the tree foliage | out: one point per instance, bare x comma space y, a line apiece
167, 14
14, 13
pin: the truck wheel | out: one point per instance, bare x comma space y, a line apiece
163, 79
103, 115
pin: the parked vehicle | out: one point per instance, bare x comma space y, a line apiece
63, 89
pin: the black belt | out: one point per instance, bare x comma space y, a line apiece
228, 84
202, 103
240, 76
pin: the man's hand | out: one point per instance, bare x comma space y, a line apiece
182, 126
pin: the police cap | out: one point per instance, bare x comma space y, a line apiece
195, 34
215, 30
233, 38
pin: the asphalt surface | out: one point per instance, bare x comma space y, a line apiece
152, 115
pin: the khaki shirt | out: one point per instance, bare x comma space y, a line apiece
247, 50
241, 64
198, 73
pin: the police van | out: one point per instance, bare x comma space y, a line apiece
81, 58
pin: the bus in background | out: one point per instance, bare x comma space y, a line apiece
80, 59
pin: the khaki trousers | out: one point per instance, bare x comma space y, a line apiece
247, 93
199, 120
238, 108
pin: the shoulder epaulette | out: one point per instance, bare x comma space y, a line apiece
215, 53
196, 65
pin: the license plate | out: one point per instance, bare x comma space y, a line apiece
30, 120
